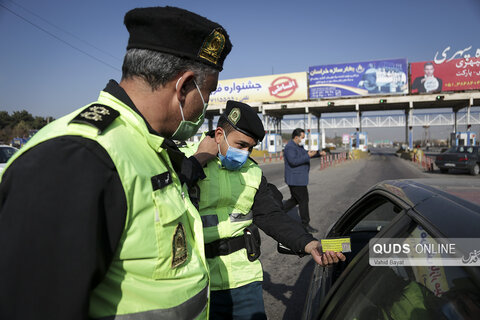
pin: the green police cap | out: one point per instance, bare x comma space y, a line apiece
178, 32
244, 118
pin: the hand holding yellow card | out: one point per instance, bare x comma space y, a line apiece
336, 244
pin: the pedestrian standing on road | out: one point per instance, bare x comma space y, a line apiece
297, 168
233, 200
95, 218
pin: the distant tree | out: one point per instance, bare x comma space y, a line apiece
24, 115
5, 119
21, 129
6, 135
39, 122
338, 141
19, 124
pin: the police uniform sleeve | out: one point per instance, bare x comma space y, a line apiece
62, 212
269, 216
189, 170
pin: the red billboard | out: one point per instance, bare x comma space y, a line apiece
451, 75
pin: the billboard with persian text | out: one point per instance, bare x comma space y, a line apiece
445, 75
358, 79
272, 88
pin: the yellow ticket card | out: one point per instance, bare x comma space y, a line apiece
336, 244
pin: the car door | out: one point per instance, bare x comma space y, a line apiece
404, 292
373, 214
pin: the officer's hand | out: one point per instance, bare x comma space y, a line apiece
207, 150
312, 153
323, 259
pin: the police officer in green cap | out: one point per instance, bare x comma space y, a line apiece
95, 218
232, 200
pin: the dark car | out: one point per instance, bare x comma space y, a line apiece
434, 209
459, 157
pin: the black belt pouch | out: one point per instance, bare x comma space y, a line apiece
252, 242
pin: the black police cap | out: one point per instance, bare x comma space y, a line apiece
244, 118
178, 32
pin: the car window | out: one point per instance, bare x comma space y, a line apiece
6, 153
462, 149
411, 292
362, 224
367, 220
377, 216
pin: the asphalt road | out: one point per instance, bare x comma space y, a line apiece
331, 192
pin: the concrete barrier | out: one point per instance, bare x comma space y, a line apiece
359, 154
418, 157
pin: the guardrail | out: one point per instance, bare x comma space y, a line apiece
278, 156
332, 160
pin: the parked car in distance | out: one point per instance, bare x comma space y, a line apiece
459, 157
6, 152
409, 209
330, 146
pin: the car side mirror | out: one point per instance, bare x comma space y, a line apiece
284, 250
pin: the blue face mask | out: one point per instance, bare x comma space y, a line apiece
234, 159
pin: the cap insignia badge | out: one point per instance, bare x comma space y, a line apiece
212, 46
234, 116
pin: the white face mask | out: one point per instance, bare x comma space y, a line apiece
187, 129
299, 140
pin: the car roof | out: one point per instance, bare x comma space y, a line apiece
451, 205
466, 189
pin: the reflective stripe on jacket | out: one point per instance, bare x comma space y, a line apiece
159, 269
226, 199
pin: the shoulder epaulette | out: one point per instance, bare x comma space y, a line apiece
97, 115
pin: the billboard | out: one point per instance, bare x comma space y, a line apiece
451, 75
274, 88
358, 79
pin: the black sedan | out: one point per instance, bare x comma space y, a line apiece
464, 158
430, 208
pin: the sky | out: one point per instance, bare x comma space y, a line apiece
56, 56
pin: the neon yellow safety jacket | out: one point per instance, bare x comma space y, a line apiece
226, 199
159, 270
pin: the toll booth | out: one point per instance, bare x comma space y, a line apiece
359, 140
464, 138
274, 142
313, 141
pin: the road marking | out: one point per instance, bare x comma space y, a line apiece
282, 187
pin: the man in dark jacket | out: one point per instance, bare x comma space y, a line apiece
297, 167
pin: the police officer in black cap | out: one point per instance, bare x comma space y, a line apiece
233, 199
95, 219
